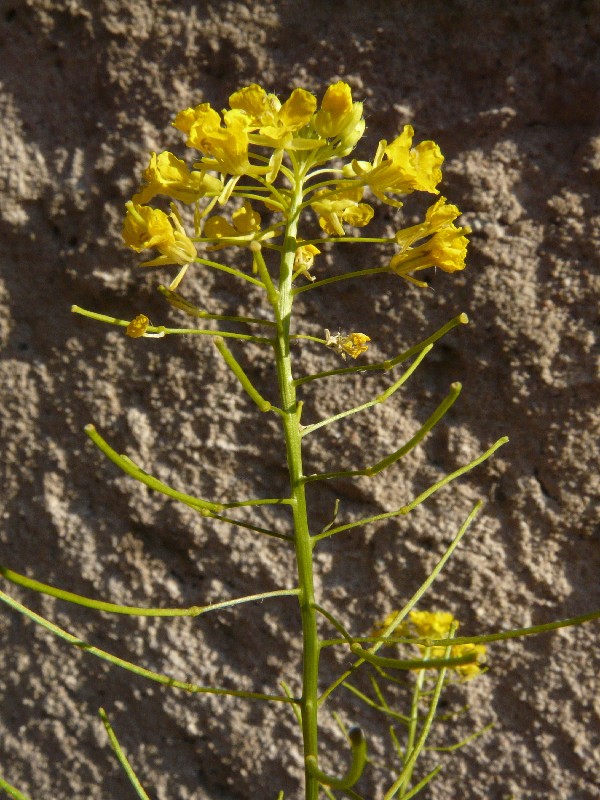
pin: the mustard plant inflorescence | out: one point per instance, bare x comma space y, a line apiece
265, 176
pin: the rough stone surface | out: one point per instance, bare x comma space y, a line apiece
510, 91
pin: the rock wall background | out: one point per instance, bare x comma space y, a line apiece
510, 92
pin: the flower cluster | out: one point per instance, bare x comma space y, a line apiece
436, 625
280, 149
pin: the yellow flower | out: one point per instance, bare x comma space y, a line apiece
276, 123
245, 224
226, 148
437, 625
341, 205
469, 671
261, 107
447, 249
440, 215
355, 344
304, 259
445, 245
169, 175
352, 344
202, 118
339, 117
431, 624
402, 169
297, 110
336, 106
146, 227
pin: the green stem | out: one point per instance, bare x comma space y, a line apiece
358, 744
463, 742
114, 608
259, 263
161, 329
422, 783
379, 399
409, 765
135, 668
303, 544
248, 526
130, 468
390, 363
411, 603
267, 501
385, 710
308, 338
414, 719
178, 301
11, 791
230, 270
360, 273
413, 663
386, 462
122, 758
239, 373
517, 632
418, 500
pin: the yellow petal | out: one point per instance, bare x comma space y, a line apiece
251, 99
218, 227
245, 219
297, 109
335, 107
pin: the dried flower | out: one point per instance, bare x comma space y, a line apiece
138, 326
352, 344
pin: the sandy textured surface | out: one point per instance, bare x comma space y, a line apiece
510, 91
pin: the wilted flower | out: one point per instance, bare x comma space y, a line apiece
352, 344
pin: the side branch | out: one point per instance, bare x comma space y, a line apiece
122, 758
204, 507
130, 468
161, 330
533, 630
358, 743
461, 319
418, 500
413, 663
379, 399
114, 608
12, 791
230, 270
236, 368
368, 472
361, 273
411, 603
135, 668
178, 301
248, 526
420, 742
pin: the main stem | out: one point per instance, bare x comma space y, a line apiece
302, 537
